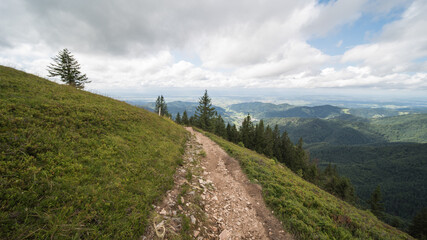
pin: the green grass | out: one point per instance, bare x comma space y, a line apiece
78, 165
304, 209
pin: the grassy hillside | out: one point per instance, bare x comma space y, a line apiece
79, 165
400, 169
304, 209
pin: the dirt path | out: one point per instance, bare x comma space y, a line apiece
240, 207
212, 199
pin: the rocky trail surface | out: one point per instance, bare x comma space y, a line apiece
212, 199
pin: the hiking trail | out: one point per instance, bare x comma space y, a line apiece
213, 199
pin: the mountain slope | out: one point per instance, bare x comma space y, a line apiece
406, 128
79, 165
332, 131
362, 151
399, 168
305, 210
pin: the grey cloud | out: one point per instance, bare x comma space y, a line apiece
126, 26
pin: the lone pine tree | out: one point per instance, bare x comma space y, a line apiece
204, 113
68, 69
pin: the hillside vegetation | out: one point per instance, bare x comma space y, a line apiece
79, 165
390, 152
304, 209
406, 128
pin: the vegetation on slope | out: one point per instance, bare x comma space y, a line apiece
79, 165
334, 131
406, 128
362, 151
304, 209
400, 169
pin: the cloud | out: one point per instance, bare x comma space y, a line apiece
398, 46
242, 43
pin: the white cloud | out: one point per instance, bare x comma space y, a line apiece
241, 43
398, 46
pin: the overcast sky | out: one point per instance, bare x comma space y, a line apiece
140, 44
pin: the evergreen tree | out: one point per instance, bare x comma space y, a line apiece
192, 121
228, 130
247, 132
68, 69
219, 126
376, 202
178, 118
287, 149
277, 152
259, 138
301, 157
184, 118
161, 107
268, 142
234, 135
204, 113
418, 227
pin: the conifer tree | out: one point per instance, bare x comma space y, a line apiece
277, 152
287, 149
234, 134
268, 142
418, 227
376, 202
259, 139
247, 132
178, 118
204, 113
219, 126
301, 157
68, 69
161, 107
184, 118
228, 129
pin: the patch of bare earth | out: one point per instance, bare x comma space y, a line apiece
212, 199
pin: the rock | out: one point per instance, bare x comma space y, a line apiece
196, 233
193, 219
225, 235
215, 198
182, 200
163, 212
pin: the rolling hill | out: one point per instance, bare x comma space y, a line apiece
78, 165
